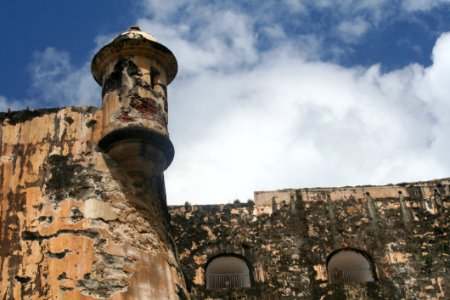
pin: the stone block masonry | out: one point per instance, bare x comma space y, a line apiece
71, 223
290, 238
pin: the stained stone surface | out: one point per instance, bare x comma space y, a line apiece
72, 224
288, 236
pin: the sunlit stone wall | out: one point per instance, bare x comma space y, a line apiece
72, 224
399, 232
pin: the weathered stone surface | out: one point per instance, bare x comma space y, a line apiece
83, 206
71, 223
287, 236
83, 212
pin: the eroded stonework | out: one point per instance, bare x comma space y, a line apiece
83, 212
287, 238
72, 224
83, 203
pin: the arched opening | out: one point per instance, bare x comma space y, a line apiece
350, 266
227, 271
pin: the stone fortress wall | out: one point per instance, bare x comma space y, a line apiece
83, 212
288, 236
71, 223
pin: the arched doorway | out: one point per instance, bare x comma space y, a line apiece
350, 266
227, 271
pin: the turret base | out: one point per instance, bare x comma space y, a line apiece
138, 150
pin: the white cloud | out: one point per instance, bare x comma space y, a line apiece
3, 103
374, 10
349, 20
297, 6
55, 81
349, 30
11, 104
244, 120
422, 5
275, 32
161, 9
207, 44
288, 122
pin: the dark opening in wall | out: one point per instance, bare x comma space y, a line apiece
227, 271
350, 266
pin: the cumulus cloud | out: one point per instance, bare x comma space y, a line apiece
289, 122
161, 9
204, 43
422, 5
3, 103
243, 119
11, 104
349, 30
55, 81
272, 22
256, 108
296, 5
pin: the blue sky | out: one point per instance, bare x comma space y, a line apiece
269, 95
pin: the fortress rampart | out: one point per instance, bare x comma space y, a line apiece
289, 238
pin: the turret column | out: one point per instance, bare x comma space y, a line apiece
134, 71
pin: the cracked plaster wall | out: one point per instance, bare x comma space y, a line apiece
71, 224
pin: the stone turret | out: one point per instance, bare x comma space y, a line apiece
134, 71
83, 211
